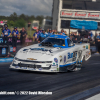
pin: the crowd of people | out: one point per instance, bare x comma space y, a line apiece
41, 34
14, 34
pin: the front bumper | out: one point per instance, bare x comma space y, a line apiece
33, 67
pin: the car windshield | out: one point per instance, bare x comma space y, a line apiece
53, 41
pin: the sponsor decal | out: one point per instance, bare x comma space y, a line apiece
56, 60
53, 65
60, 56
17, 67
23, 67
3, 51
11, 49
86, 47
14, 49
31, 59
70, 55
40, 68
30, 68
89, 47
64, 59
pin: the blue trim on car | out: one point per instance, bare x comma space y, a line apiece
68, 64
3, 60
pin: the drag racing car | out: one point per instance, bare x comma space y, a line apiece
56, 53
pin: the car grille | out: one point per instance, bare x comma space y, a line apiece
31, 66
33, 61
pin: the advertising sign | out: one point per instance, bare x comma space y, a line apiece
80, 14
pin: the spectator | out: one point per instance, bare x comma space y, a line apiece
65, 32
79, 38
40, 30
53, 31
47, 30
42, 36
29, 24
50, 33
6, 33
5, 25
56, 32
36, 36
15, 34
23, 34
98, 43
91, 36
62, 31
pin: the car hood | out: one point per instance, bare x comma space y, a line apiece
38, 53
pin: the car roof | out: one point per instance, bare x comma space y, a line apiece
59, 36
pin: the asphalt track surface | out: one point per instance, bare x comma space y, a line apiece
62, 85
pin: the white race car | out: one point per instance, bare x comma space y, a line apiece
56, 53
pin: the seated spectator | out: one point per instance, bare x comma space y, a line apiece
23, 34
6, 33
15, 34
42, 36
36, 36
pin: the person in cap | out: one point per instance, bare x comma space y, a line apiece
36, 36
42, 36
40, 30
50, 32
15, 34
6, 33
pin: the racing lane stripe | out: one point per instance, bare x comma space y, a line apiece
2, 60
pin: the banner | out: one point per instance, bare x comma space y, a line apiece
88, 25
76, 14
30, 40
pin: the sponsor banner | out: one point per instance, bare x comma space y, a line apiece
14, 49
80, 14
3, 51
11, 49
30, 40
3, 60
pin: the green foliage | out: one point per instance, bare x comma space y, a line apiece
19, 23
21, 20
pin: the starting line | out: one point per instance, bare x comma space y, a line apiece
2, 60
